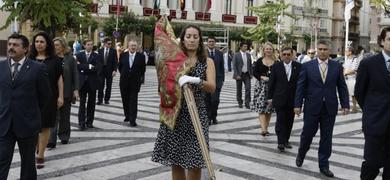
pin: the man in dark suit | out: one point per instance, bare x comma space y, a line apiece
318, 83
89, 66
132, 69
281, 94
372, 91
24, 91
242, 73
109, 57
213, 98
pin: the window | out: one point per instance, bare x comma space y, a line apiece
115, 2
250, 4
228, 6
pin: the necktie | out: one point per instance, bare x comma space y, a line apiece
388, 65
131, 60
323, 67
16, 70
212, 54
105, 56
88, 54
288, 72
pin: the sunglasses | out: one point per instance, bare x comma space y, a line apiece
286, 54
322, 49
311, 53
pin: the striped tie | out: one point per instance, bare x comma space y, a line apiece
323, 67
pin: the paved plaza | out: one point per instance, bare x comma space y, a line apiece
113, 150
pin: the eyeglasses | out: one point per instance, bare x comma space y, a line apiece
311, 53
286, 54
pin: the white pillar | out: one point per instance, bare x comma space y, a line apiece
135, 7
189, 6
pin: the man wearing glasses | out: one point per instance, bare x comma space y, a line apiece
282, 86
110, 59
317, 86
310, 55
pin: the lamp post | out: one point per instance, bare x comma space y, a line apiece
15, 28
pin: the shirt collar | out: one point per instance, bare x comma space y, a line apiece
387, 57
289, 64
211, 50
319, 61
20, 62
242, 52
133, 54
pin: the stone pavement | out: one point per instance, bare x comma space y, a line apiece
113, 150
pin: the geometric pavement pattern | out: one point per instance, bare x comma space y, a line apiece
113, 150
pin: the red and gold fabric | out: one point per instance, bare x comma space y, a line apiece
169, 65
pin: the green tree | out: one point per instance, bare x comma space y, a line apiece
50, 16
129, 23
385, 4
268, 17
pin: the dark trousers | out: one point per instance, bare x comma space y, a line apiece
27, 155
85, 92
229, 64
212, 102
106, 78
310, 127
376, 156
62, 126
246, 79
284, 123
130, 102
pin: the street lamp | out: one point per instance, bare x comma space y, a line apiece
15, 28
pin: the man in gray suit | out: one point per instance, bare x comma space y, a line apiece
242, 73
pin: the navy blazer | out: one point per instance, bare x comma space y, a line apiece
22, 100
134, 74
87, 75
219, 67
311, 88
372, 91
112, 59
280, 90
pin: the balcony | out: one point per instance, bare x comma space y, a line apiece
229, 18
151, 12
113, 8
202, 16
172, 14
250, 20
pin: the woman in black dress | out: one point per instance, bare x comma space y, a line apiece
179, 148
42, 50
261, 72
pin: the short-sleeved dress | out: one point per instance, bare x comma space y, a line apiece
180, 146
260, 103
54, 68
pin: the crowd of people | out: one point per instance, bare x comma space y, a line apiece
39, 83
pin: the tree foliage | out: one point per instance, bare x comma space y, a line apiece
268, 17
49, 16
129, 23
385, 4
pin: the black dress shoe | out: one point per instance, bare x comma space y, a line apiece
326, 172
133, 124
51, 146
90, 126
126, 120
99, 103
247, 106
299, 161
288, 146
281, 147
82, 127
106, 102
64, 142
215, 121
240, 106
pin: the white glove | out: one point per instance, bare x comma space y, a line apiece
188, 79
